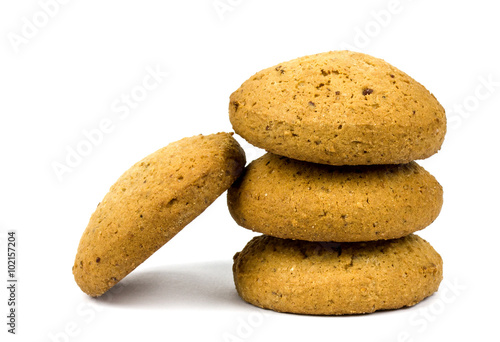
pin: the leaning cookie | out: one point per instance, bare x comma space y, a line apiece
150, 203
339, 108
292, 199
320, 278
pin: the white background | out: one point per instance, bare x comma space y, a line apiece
68, 72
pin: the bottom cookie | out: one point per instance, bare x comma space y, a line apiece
326, 278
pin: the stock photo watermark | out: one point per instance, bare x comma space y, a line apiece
380, 20
246, 327
32, 25
223, 7
12, 281
121, 108
485, 88
85, 313
424, 317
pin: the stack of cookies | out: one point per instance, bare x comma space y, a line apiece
338, 195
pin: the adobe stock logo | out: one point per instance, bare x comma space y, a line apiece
246, 327
424, 317
485, 88
381, 19
222, 7
84, 315
121, 107
32, 25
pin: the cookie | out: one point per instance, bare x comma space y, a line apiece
339, 108
150, 203
291, 199
319, 278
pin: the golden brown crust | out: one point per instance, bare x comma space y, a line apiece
339, 108
291, 199
150, 203
336, 278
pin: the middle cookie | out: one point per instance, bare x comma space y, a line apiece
292, 199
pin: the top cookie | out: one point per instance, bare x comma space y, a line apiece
150, 203
339, 108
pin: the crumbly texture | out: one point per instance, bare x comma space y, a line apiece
339, 108
319, 278
291, 199
150, 203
